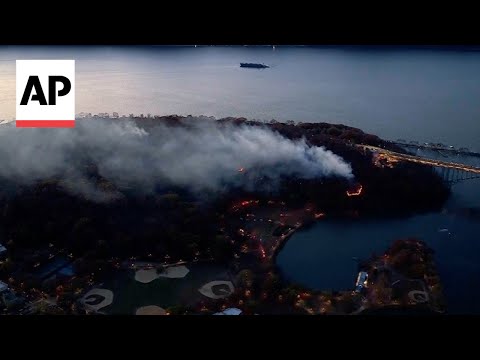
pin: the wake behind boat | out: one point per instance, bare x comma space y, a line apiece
254, 65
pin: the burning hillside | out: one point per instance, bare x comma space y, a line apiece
201, 156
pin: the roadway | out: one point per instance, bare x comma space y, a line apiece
422, 160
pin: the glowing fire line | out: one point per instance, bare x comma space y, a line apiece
355, 192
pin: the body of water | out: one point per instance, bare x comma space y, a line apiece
425, 95
322, 256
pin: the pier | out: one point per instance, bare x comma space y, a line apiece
436, 147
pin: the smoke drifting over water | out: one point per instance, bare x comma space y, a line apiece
202, 156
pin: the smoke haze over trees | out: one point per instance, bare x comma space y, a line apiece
63, 170
202, 156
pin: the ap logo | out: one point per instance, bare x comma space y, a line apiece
45, 93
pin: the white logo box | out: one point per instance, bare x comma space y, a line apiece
34, 114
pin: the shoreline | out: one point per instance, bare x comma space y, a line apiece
273, 252
281, 243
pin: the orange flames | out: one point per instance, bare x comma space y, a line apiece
262, 252
249, 202
244, 203
355, 192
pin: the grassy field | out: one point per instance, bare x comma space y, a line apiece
130, 294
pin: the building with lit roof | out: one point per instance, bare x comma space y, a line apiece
361, 281
229, 311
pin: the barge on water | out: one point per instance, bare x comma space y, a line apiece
254, 65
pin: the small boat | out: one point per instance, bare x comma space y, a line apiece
254, 65
442, 230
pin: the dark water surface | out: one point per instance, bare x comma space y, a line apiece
425, 95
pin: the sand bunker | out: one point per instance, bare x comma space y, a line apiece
172, 272
217, 289
97, 299
146, 276
150, 310
175, 272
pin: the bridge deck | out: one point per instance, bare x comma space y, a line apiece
422, 160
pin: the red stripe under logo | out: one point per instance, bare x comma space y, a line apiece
46, 123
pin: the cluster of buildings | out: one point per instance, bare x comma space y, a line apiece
114, 115
8, 299
3, 251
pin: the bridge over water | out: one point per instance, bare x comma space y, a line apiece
451, 172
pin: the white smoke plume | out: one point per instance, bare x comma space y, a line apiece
202, 156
